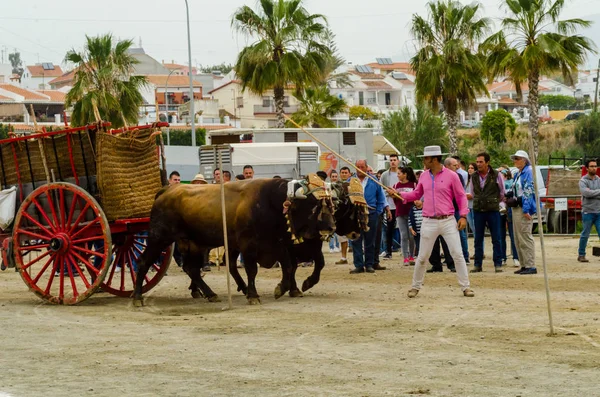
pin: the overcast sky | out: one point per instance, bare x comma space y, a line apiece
44, 30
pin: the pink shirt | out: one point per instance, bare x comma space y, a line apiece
438, 193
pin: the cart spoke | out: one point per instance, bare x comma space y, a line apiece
43, 270
33, 247
79, 218
61, 200
131, 268
42, 212
61, 292
90, 224
87, 264
39, 258
115, 263
32, 234
87, 251
74, 205
71, 277
55, 268
81, 273
86, 240
42, 228
50, 198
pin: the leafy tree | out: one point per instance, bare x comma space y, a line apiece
495, 124
558, 102
289, 49
16, 63
223, 67
411, 132
534, 41
103, 87
317, 106
363, 112
182, 137
341, 79
447, 65
587, 133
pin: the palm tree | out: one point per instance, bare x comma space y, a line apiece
447, 65
317, 106
103, 87
534, 41
289, 49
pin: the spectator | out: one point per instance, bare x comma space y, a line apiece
407, 182
524, 208
174, 178
443, 186
452, 164
365, 260
248, 172
239, 177
276, 177
415, 218
471, 170
345, 176
389, 178
199, 180
333, 176
506, 220
487, 191
322, 175
589, 186
226, 176
217, 176
460, 171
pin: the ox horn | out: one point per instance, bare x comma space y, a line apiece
300, 193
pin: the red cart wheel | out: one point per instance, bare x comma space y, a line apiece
62, 243
122, 273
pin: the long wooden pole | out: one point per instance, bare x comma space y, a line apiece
541, 232
320, 142
224, 216
41, 145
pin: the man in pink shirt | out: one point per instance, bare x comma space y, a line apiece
438, 187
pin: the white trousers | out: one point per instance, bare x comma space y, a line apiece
430, 230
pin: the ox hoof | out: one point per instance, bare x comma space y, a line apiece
196, 294
253, 301
296, 293
214, 298
278, 293
306, 285
138, 303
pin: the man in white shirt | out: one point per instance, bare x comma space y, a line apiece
389, 178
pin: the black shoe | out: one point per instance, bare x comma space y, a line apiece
371, 270
529, 270
206, 268
452, 269
498, 269
377, 267
520, 270
357, 270
387, 256
476, 270
434, 270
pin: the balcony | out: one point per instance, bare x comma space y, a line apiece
259, 109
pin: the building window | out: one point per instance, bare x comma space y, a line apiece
349, 138
266, 101
290, 137
286, 101
239, 102
361, 98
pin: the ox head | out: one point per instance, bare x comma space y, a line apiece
309, 209
352, 213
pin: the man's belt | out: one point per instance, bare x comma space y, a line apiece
439, 216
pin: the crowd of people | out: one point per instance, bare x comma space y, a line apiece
425, 215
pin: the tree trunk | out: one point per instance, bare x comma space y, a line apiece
278, 97
452, 124
533, 82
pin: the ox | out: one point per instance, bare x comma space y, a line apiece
264, 218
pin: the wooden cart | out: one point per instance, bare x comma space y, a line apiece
84, 197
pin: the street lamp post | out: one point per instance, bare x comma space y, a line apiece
167, 104
192, 110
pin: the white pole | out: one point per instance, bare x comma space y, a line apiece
192, 110
224, 216
541, 231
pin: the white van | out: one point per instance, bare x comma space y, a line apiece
289, 160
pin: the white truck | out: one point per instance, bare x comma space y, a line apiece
287, 160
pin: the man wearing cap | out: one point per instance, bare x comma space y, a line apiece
524, 208
199, 180
439, 187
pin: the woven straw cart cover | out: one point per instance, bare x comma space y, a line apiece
128, 173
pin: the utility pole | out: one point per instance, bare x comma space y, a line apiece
596, 92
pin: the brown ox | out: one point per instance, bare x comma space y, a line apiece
256, 224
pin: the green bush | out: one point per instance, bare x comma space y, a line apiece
4, 129
557, 102
495, 124
587, 133
363, 112
180, 137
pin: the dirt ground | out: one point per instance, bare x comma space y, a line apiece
352, 335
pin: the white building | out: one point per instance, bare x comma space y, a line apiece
38, 76
586, 85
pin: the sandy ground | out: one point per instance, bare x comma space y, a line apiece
352, 335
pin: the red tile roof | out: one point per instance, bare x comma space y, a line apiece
160, 80
27, 94
64, 78
394, 66
55, 95
38, 71
367, 75
5, 98
225, 85
376, 84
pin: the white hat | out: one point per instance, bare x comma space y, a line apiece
199, 178
431, 151
520, 153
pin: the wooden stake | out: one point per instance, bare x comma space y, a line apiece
41, 145
224, 216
